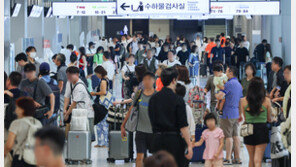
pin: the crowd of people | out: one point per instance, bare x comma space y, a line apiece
157, 76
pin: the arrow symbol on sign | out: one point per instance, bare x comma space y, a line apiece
123, 6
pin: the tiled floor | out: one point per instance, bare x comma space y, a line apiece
99, 155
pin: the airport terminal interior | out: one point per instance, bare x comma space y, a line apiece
147, 83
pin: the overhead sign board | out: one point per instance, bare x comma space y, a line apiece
84, 8
163, 6
245, 8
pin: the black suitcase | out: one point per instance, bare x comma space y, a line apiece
203, 70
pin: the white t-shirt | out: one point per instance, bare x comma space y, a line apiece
135, 47
128, 68
188, 88
110, 68
90, 51
171, 64
157, 51
246, 44
80, 94
178, 49
67, 54
190, 120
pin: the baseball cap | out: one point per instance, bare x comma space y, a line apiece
91, 44
44, 67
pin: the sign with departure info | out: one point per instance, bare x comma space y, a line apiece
245, 8
84, 8
163, 6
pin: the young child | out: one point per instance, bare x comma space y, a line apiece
214, 138
219, 80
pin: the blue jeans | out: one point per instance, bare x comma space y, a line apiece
102, 132
52, 121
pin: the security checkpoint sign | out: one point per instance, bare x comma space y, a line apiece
84, 8
163, 6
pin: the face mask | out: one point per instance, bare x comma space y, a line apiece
93, 50
33, 54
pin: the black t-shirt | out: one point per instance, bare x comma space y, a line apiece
183, 56
117, 46
162, 56
167, 111
227, 51
16, 94
242, 54
259, 52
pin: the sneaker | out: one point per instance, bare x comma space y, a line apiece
227, 162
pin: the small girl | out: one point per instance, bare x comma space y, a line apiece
214, 138
193, 61
219, 80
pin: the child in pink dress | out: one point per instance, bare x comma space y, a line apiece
214, 138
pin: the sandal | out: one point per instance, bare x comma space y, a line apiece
227, 162
237, 161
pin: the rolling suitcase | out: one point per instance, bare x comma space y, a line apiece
79, 147
203, 70
118, 147
198, 151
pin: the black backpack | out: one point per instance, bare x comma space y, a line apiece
56, 91
10, 114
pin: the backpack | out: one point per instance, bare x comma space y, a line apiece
10, 114
56, 91
29, 143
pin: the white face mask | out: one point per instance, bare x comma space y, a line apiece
93, 50
33, 54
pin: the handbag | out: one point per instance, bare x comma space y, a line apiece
278, 149
100, 112
247, 130
132, 122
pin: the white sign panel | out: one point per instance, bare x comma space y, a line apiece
84, 8
163, 6
245, 8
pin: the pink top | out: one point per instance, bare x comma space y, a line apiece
212, 143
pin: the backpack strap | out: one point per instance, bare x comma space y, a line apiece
72, 89
35, 89
137, 98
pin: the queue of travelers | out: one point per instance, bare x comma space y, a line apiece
156, 76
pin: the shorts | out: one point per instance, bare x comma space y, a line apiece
229, 127
215, 163
260, 135
143, 142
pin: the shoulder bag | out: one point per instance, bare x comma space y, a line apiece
132, 122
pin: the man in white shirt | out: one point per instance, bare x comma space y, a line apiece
134, 46
77, 91
171, 61
109, 67
245, 42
